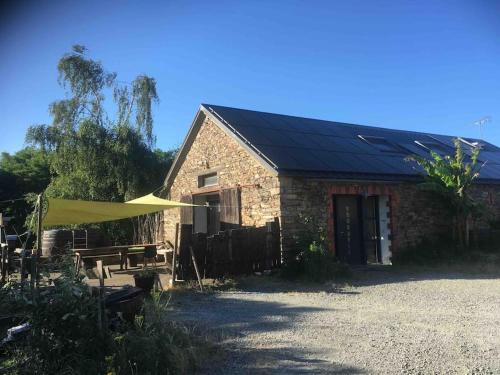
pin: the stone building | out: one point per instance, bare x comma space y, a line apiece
249, 167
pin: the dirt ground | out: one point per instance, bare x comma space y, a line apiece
385, 322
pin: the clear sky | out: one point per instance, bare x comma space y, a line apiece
418, 65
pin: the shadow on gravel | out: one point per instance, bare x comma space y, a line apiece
362, 276
237, 316
275, 284
233, 318
284, 360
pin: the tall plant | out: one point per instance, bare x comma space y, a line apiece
450, 177
101, 150
95, 155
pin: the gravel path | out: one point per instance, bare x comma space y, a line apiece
387, 322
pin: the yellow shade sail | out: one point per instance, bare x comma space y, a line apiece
66, 211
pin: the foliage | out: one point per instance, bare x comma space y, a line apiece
96, 156
443, 252
30, 166
311, 258
65, 335
450, 179
146, 272
26, 171
427, 252
155, 344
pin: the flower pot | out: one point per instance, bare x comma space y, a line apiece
132, 260
144, 282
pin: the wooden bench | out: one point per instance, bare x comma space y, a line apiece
99, 253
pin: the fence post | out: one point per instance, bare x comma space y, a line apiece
174, 254
193, 258
4, 262
34, 256
229, 234
101, 308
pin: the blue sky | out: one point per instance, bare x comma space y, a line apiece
418, 65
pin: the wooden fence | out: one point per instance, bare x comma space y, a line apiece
231, 252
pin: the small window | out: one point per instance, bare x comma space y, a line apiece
382, 144
208, 180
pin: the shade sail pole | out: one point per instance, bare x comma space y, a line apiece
35, 255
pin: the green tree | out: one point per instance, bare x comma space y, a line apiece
100, 150
450, 179
95, 156
26, 171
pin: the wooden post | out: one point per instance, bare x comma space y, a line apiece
101, 310
23, 268
174, 255
5, 254
467, 232
196, 267
100, 273
35, 255
39, 225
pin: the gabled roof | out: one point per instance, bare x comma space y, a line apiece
313, 148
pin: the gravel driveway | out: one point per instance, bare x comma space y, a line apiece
386, 322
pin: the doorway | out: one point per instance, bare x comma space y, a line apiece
206, 219
357, 229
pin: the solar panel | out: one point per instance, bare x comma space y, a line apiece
303, 146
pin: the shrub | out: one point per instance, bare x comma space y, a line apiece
64, 331
154, 343
438, 252
66, 336
311, 258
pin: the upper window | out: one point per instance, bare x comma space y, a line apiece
208, 180
381, 144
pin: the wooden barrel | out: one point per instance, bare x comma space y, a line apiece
55, 239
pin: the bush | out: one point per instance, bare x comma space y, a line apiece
320, 265
440, 252
66, 336
154, 344
311, 259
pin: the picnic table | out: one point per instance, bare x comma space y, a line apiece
99, 253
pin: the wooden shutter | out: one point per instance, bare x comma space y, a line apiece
230, 210
186, 212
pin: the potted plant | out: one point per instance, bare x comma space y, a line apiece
145, 279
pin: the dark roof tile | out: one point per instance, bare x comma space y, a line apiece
326, 149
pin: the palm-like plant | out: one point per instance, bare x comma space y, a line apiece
450, 178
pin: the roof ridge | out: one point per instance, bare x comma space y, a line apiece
340, 123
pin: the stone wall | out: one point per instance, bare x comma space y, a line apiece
489, 196
415, 215
215, 151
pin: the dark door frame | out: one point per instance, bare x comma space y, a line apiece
376, 219
359, 215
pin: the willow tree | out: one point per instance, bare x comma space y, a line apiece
101, 138
450, 178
